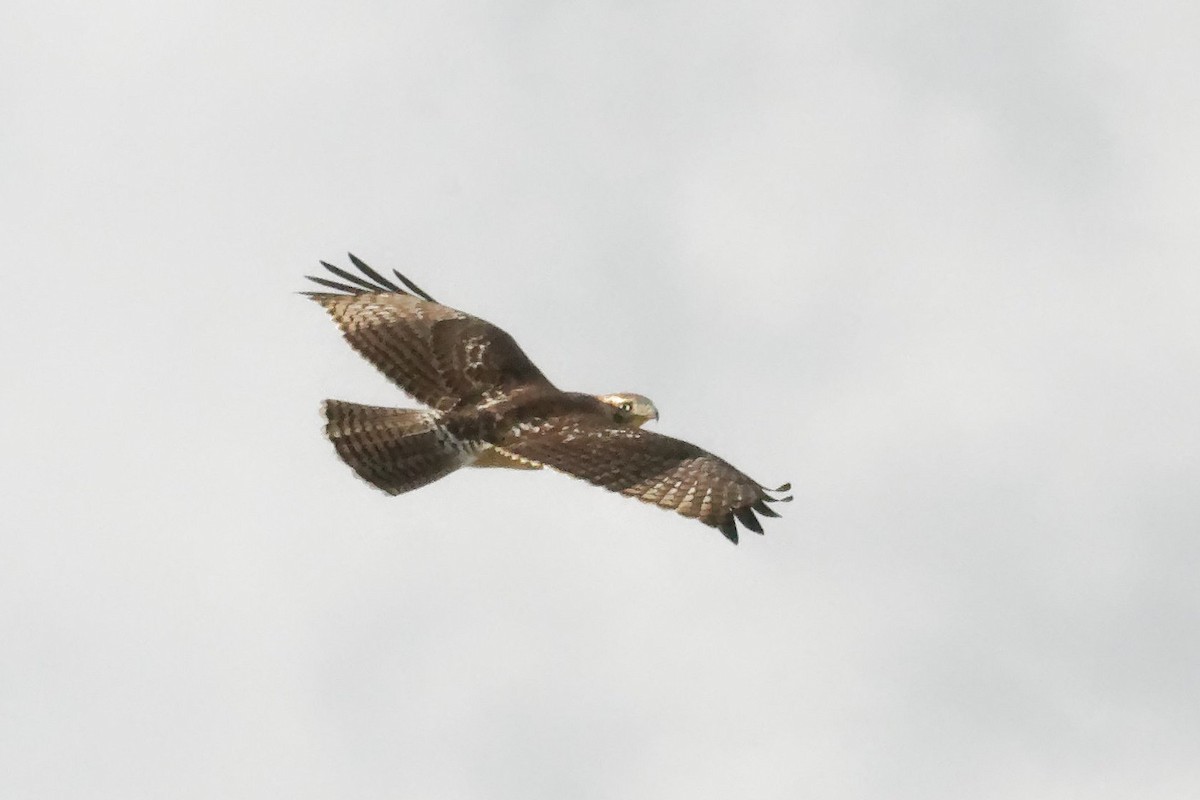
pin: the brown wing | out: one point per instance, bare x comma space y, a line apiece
656, 469
442, 357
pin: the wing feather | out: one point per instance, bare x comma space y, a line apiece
657, 469
373, 275
362, 285
440, 356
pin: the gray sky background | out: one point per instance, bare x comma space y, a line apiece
935, 263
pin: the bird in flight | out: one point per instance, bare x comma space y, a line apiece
489, 406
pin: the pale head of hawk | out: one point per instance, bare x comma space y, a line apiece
630, 409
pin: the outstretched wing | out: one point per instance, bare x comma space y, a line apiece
441, 357
657, 469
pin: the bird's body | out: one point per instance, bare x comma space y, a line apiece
489, 406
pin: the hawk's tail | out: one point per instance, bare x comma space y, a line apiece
395, 449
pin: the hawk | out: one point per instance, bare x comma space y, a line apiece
490, 406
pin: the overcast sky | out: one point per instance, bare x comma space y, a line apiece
935, 263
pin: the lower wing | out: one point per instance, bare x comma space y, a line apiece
657, 469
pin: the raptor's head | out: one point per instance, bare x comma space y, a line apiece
630, 409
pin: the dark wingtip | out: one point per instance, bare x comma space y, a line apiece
367, 286
728, 527
341, 287
783, 488
373, 275
358, 285
417, 290
747, 518
763, 509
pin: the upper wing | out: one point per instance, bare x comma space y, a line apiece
656, 469
442, 357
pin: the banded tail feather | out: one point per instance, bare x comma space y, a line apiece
394, 449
